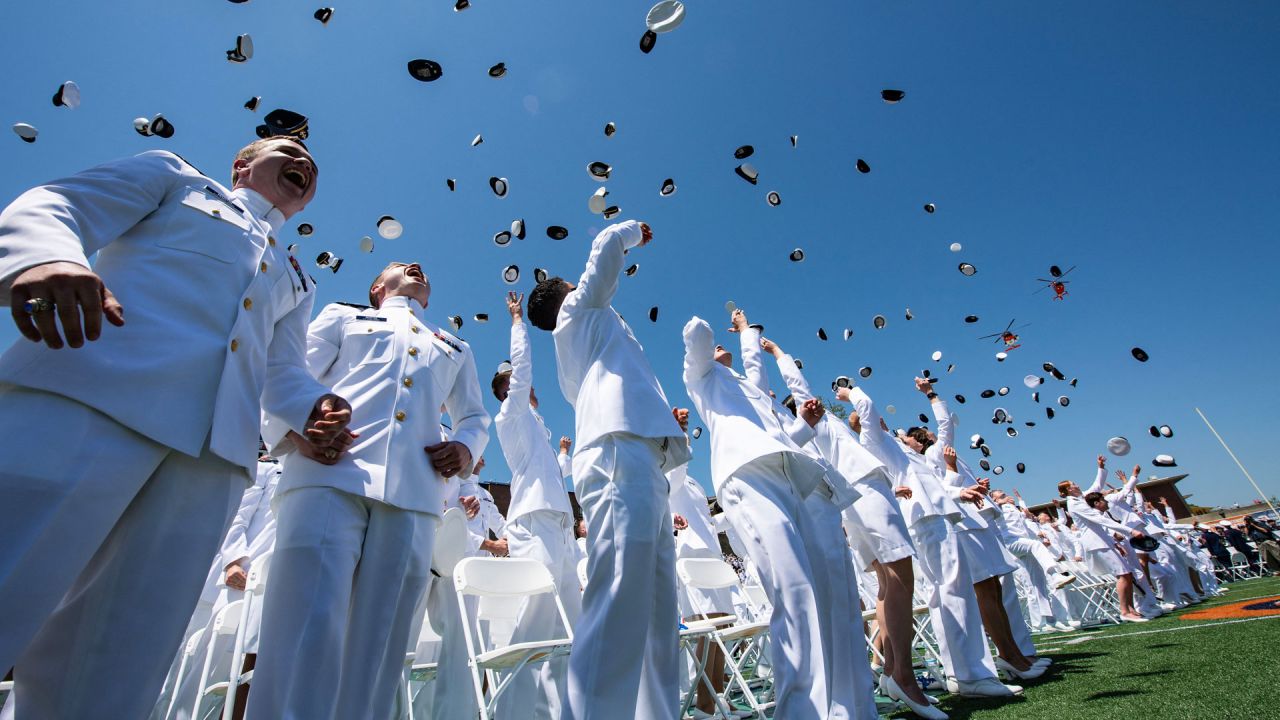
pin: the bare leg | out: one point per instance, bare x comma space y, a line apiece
994, 619
1124, 588
706, 702
1195, 580
897, 583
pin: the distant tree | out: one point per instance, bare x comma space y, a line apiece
835, 407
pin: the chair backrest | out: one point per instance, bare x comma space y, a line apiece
259, 569
451, 542
756, 595
582, 573
706, 573
498, 608
502, 577
228, 618
193, 642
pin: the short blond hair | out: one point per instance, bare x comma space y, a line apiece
250, 151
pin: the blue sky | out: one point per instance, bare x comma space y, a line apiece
1136, 141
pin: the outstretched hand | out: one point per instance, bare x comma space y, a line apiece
60, 292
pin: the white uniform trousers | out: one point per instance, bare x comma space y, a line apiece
848, 668
770, 519
453, 693
545, 536
1177, 583
1037, 564
107, 540
626, 652
345, 578
953, 607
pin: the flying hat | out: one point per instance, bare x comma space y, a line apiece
879, 322
327, 259
986, 466
747, 172
68, 95
599, 171
937, 355
647, 41
280, 122
924, 419
892, 97
160, 127
389, 228
987, 394
960, 399
999, 415
908, 314
957, 247
1004, 390
847, 334
862, 166
967, 269
498, 70
1146, 543
243, 50
864, 372
1032, 380
794, 140
596, 203
1118, 446
1155, 431
1021, 467
1048, 411
425, 70
366, 244
1063, 400
323, 15
455, 322
611, 212
841, 381
481, 317
890, 409
477, 140
505, 367
1166, 431
822, 334
499, 186
27, 132
610, 129
997, 469
502, 239
796, 255
461, 5
1164, 461
452, 183
252, 103
697, 433
773, 198
971, 319
1001, 356
653, 314
539, 275
744, 152
556, 232
930, 208
668, 188
665, 16
511, 274
1140, 355
305, 229
632, 270
1011, 432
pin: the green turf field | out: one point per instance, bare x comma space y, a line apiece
1168, 669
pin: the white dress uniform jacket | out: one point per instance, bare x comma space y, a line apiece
170, 243
689, 500
1095, 527
603, 371
536, 474
396, 370
975, 518
739, 416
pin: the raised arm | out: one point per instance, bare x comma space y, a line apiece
564, 458
599, 282
1101, 478
791, 375
521, 357
752, 356
699, 344
938, 406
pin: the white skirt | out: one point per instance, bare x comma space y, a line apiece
875, 526
1106, 562
987, 555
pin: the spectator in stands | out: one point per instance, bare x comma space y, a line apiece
1265, 539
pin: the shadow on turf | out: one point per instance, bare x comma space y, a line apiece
1111, 694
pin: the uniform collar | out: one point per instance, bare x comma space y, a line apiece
260, 207
400, 301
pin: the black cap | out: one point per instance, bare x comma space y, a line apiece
1048, 411
1011, 432
794, 139
599, 171
653, 314
773, 198
611, 212
924, 419
455, 322
1020, 467
632, 269
425, 70
481, 317
556, 232
305, 229
878, 322
744, 152
539, 275
252, 103
668, 187
647, 41
163, 128
986, 394
498, 70
1055, 271
822, 334
453, 184
461, 5
930, 207
967, 269
984, 465
960, 399
864, 372
1055, 372
796, 255
1140, 355
747, 172
892, 96
323, 15
610, 129
971, 318
283, 122
1155, 431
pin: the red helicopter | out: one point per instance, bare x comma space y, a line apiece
1007, 336
1057, 284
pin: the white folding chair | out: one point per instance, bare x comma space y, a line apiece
1240, 567
226, 624
504, 578
582, 574
254, 589
188, 651
735, 639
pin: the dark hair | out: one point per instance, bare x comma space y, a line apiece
921, 436
500, 382
1063, 487
545, 301
789, 402
1094, 497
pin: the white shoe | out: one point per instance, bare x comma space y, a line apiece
1030, 673
927, 711
1065, 627
1041, 661
1063, 580
1168, 606
986, 687
1133, 619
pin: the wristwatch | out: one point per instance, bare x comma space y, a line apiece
931, 394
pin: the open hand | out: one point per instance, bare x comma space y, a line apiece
470, 505
65, 291
515, 305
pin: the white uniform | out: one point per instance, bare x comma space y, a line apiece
851, 470
539, 526
762, 477
930, 513
354, 539
1096, 533
144, 439
626, 654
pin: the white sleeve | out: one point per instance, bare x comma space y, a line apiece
466, 408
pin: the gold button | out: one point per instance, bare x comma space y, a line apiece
400, 415
248, 303
234, 344
262, 267
408, 382
216, 211
413, 351
271, 239
414, 328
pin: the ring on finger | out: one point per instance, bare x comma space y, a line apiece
330, 453
37, 305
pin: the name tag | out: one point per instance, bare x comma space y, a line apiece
371, 317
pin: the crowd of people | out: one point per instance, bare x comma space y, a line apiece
356, 431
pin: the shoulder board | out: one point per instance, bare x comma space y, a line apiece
355, 305
188, 162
